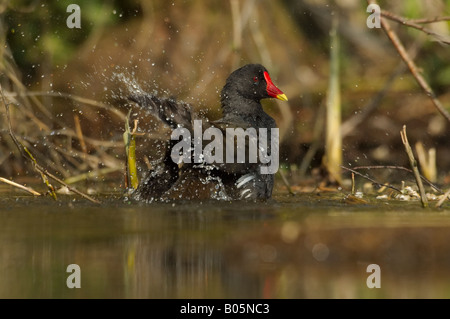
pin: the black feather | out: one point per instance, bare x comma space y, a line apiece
171, 112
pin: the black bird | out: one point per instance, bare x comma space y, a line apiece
200, 179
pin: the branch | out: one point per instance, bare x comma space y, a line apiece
432, 20
399, 168
442, 200
285, 181
411, 65
415, 25
372, 180
73, 97
28, 189
413, 163
27, 154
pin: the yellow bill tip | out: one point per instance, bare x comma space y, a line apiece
282, 97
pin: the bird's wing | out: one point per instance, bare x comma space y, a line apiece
169, 111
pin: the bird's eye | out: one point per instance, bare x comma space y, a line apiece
255, 79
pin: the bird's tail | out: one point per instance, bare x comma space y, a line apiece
173, 113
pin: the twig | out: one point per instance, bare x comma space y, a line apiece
413, 163
72, 155
43, 171
91, 174
432, 20
286, 183
411, 65
409, 23
79, 133
372, 180
23, 150
28, 189
353, 183
442, 200
27, 154
88, 140
73, 97
399, 168
22, 90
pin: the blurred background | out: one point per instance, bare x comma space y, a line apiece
68, 86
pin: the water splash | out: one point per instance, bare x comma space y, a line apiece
132, 86
219, 192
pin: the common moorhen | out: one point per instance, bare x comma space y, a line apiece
184, 172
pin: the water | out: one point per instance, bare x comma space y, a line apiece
304, 246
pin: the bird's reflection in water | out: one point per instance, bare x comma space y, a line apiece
190, 257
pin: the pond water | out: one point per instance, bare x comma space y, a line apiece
304, 246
